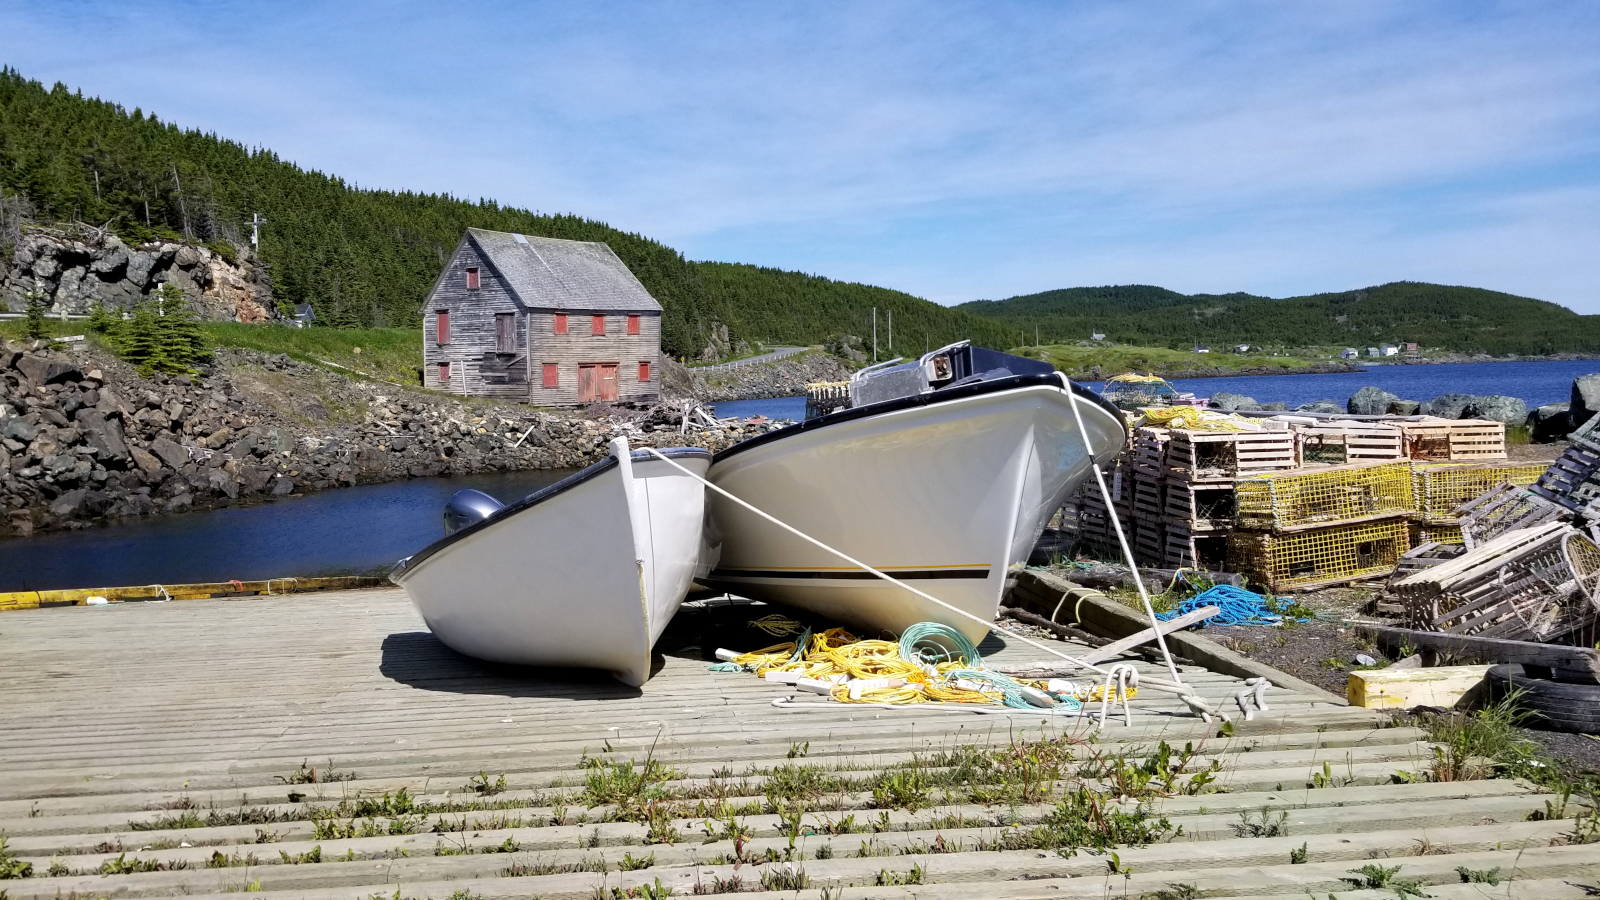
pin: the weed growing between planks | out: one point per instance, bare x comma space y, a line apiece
10, 866
1376, 877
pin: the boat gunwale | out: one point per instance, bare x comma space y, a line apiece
932, 398
406, 566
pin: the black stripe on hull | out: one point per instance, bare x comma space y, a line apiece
856, 575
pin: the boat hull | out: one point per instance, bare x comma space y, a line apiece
945, 494
583, 577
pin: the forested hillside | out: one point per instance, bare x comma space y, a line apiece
1437, 316
368, 257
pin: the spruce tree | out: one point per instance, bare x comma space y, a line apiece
38, 305
183, 343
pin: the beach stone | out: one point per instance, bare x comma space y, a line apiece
1275, 406
1448, 406
1550, 422
170, 452
1227, 401
146, 461
1585, 398
1321, 406
1404, 408
1369, 401
1497, 408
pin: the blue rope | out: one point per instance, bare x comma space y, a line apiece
1239, 607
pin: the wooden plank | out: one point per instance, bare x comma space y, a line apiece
1441, 686
1572, 663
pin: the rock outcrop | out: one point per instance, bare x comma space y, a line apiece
785, 377
80, 271
1226, 401
1370, 401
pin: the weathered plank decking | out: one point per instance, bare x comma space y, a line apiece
127, 714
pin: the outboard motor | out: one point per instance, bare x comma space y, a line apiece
469, 508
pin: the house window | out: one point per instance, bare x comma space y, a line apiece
505, 332
633, 324
644, 370
597, 324
444, 373
472, 278
561, 323
552, 377
443, 332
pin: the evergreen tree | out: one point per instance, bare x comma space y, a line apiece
182, 342
38, 305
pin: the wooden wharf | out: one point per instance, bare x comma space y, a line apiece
120, 724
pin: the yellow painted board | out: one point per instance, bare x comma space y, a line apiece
35, 599
1440, 686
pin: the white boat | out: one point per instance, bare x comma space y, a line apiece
584, 573
946, 485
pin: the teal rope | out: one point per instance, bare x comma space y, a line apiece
930, 642
1239, 607
1011, 689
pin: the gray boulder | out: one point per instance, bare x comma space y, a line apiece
1230, 402
1321, 406
1275, 406
1404, 407
169, 452
1497, 408
1585, 398
1448, 406
139, 266
1369, 401
1548, 423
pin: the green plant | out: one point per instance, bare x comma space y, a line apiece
124, 866
905, 789
799, 750
659, 816
37, 306
631, 863
481, 785
1262, 824
788, 878
1297, 856
1177, 892
307, 774
887, 878
219, 860
824, 851
163, 335
1373, 876
1467, 745
10, 866
1479, 876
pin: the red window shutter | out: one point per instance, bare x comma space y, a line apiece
444, 373
633, 324
443, 335
644, 371
472, 279
552, 377
597, 324
561, 323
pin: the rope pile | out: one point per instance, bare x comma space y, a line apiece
1239, 607
1196, 419
931, 663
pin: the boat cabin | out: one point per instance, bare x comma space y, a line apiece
542, 321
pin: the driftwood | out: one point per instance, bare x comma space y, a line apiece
1099, 654
1566, 663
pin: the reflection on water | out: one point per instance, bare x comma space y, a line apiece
338, 532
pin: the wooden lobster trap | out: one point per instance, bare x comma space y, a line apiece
1306, 498
1224, 455
1338, 443
1442, 487
1454, 440
1328, 554
1502, 509
1531, 584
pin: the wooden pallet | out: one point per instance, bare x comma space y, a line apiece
1335, 443
1454, 440
1224, 455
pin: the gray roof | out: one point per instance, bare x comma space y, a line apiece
547, 273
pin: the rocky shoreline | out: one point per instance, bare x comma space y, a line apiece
84, 439
785, 377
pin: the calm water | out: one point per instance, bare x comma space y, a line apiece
1536, 383
340, 532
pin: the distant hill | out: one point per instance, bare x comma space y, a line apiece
1464, 319
366, 257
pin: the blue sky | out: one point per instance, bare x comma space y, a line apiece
955, 151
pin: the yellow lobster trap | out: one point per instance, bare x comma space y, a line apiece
1307, 498
1320, 556
1441, 487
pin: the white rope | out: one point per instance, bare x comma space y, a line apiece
1184, 691
1121, 677
1116, 526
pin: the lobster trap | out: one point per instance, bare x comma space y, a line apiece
1531, 584
1340, 443
1441, 488
1461, 440
1213, 455
1306, 498
1503, 509
1314, 557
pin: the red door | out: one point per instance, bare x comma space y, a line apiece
597, 382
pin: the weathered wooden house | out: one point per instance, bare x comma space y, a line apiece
543, 321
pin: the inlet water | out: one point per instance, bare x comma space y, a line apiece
339, 532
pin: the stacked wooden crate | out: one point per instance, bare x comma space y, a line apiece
1453, 440
1149, 502
1343, 441
1313, 527
1095, 531
1202, 470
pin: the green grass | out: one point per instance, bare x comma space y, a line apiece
1116, 360
392, 354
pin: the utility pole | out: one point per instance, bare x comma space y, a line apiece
255, 230
874, 334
